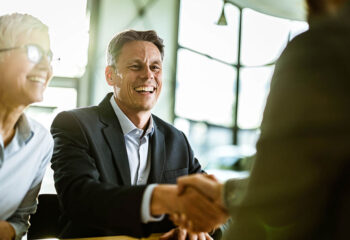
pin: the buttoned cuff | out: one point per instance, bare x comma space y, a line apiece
146, 216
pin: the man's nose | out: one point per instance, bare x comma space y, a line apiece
147, 73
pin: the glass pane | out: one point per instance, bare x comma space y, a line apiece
198, 29
254, 87
55, 100
69, 33
297, 27
263, 37
205, 89
204, 138
248, 138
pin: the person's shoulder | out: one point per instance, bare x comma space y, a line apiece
83, 110
79, 113
165, 126
323, 36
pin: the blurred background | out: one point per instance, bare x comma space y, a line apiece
219, 59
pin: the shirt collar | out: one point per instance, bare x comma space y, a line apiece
125, 123
25, 132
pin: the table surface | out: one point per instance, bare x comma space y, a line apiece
152, 237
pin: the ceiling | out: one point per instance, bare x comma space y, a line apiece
291, 9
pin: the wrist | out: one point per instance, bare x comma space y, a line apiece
162, 200
12, 232
6, 230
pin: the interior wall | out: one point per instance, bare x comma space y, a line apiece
117, 15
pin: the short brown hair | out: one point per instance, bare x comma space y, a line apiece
118, 41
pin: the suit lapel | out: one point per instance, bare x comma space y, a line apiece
115, 139
157, 155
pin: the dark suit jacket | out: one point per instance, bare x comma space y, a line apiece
92, 175
300, 184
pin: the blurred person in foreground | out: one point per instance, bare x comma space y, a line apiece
25, 146
109, 159
299, 184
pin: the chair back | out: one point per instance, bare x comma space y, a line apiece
44, 223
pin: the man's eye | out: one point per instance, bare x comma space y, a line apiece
155, 67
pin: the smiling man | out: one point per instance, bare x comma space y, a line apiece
108, 158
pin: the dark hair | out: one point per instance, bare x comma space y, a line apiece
118, 41
320, 7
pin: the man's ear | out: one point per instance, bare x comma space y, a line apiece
110, 75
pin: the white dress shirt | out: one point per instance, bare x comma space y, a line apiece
137, 142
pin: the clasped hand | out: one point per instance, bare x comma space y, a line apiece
200, 207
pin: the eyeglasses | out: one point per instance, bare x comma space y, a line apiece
34, 52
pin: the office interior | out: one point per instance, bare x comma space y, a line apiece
219, 60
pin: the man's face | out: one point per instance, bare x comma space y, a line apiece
137, 80
22, 81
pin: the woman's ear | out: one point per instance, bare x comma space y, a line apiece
110, 75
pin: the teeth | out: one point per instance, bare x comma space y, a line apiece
37, 79
144, 89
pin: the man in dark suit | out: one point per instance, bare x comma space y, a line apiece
299, 185
108, 157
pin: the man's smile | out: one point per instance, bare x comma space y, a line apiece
144, 89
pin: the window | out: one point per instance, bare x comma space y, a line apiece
224, 72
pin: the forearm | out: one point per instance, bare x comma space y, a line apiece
163, 199
19, 221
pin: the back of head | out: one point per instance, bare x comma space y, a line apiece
16, 25
118, 41
319, 8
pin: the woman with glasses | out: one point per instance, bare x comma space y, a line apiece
25, 146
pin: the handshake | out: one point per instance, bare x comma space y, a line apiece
194, 204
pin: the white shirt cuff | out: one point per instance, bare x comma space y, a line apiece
146, 204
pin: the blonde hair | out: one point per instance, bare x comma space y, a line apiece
12, 26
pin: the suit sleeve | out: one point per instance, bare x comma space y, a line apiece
301, 148
86, 199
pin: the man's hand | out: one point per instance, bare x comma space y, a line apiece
7, 232
197, 213
205, 184
181, 234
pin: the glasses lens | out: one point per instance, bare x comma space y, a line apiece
49, 55
34, 53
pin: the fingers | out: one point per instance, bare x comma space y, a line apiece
199, 236
206, 184
181, 220
193, 180
182, 234
200, 214
212, 177
176, 233
168, 235
208, 237
193, 236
